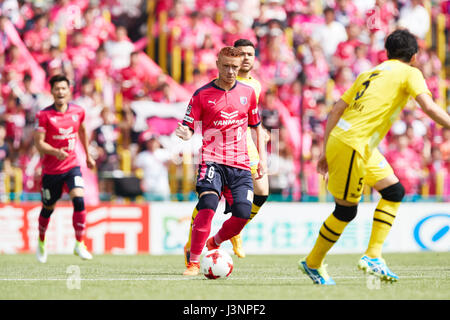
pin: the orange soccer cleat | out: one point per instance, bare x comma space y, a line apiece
193, 269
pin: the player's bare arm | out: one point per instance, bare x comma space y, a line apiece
333, 118
45, 148
90, 162
183, 132
261, 146
434, 111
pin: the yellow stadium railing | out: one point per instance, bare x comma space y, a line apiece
62, 39
150, 23
106, 15
98, 85
441, 46
440, 177
289, 35
118, 103
425, 187
7, 185
14, 184
318, 7
187, 177
429, 35
176, 56
162, 41
18, 184
440, 38
329, 92
189, 66
125, 160
173, 178
218, 17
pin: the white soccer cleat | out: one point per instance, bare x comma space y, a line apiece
41, 252
81, 251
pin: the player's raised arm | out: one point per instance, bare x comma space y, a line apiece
434, 111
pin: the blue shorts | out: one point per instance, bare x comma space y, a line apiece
235, 184
53, 185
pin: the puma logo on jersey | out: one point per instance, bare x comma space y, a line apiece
230, 115
212, 102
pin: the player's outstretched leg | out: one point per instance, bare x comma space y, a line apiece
44, 219
384, 216
79, 224
230, 228
201, 229
329, 233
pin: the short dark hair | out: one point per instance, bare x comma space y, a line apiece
328, 9
243, 43
402, 45
58, 78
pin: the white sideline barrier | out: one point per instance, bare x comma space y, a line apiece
292, 228
162, 228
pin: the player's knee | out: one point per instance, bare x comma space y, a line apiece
394, 193
78, 204
208, 201
241, 209
46, 212
344, 213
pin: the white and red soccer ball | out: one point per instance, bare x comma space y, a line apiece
216, 264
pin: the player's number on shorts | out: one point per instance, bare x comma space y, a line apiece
360, 184
46, 194
366, 84
211, 172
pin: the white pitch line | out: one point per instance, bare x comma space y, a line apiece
194, 278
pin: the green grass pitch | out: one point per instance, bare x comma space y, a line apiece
257, 277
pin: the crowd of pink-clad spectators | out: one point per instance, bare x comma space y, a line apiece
300, 47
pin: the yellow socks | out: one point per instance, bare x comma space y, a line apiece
382, 222
194, 214
258, 202
329, 233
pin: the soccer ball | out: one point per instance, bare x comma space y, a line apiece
216, 264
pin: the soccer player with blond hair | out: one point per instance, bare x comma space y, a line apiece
224, 108
260, 184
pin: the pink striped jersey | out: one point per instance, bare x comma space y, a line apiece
223, 118
61, 131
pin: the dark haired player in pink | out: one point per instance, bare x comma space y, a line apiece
224, 108
59, 127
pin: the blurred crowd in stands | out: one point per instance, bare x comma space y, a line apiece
308, 53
